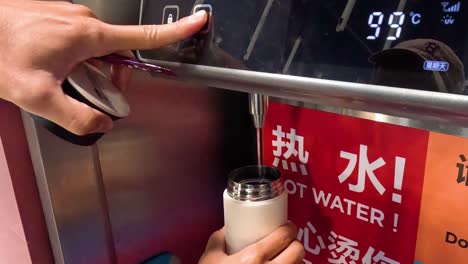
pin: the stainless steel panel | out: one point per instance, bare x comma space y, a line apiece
72, 200
164, 169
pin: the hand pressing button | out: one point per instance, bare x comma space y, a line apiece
209, 10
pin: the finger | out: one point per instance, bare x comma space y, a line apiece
49, 3
117, 37
214, 251
216, 241
62, 7
70, 114
82, 10
96, 63
126, 53
276, 242
291, 255
79, 118
121, 75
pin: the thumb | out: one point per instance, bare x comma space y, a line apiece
70, 114
216, 241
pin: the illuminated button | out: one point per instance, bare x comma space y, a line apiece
440, 66
209, 10
170, 14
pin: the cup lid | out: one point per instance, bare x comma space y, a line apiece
95, 87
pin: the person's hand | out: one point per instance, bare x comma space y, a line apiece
43, 41
281, 247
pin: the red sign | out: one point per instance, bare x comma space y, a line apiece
354, 185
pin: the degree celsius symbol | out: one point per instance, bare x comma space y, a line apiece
415, 18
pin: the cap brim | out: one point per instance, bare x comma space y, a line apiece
397, 53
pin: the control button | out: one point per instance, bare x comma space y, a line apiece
209, 10
170, 14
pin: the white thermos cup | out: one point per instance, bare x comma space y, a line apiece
255, 205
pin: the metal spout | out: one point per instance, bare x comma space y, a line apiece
258, 105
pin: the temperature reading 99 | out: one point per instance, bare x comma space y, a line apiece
395, 22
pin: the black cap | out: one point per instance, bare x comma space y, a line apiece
90, 86
416, 52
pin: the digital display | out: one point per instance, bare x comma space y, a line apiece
417, 44
395, 22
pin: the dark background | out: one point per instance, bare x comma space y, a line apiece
323, 52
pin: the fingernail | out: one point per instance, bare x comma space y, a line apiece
293, 226
197, 16
200, 13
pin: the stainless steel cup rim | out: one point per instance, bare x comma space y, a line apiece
255, 183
